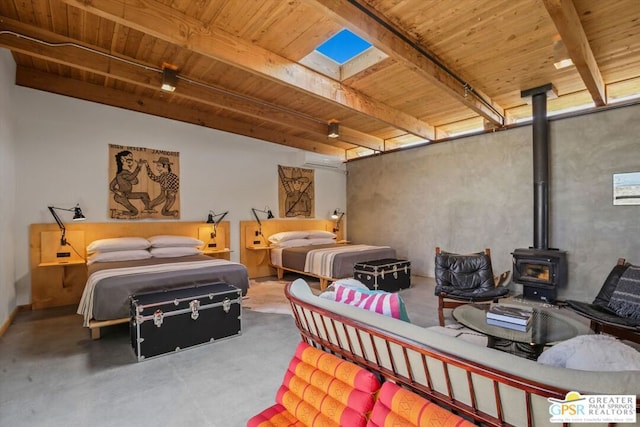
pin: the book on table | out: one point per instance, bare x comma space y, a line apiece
519, 315
507, 325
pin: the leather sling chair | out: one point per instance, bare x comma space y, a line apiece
464, 279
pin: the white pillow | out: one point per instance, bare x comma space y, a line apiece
118, 244
165, 241
176, 251
292, 243
320, 241
288, 235
321, 234
592, 353
113, 256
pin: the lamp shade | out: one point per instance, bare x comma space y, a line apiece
333, 130
77, 214
169, 77
561, 58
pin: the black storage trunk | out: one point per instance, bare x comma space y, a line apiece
387, 274
168, 321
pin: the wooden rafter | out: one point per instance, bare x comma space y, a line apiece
401, 50
167, 24
144, 76
567, 21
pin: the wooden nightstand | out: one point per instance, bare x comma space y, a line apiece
61, 263
218, 253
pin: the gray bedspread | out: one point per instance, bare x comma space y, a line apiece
111, 295
294, 258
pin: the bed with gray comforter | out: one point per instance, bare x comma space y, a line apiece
110, 284
329, 262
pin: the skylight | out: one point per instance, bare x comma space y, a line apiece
343, 46
343, 56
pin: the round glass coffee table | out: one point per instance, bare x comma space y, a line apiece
547, 327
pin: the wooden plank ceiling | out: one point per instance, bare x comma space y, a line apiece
441, 68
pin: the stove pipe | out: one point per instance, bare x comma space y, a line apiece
540, 165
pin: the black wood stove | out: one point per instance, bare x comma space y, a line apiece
540, 269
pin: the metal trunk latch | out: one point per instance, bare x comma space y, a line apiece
195, 305
226, 305
158, 317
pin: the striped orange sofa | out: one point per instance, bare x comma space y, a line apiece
320, 389
491, 387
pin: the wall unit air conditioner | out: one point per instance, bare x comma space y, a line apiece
307, 159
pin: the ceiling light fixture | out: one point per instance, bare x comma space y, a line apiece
334, 130
169, 77
561, 58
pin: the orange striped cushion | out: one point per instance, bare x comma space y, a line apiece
274, 416
399, 407
320, 389
348, 373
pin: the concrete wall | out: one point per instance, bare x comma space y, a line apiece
478, 192
7, 188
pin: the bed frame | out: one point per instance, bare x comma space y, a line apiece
59, 281
254, 247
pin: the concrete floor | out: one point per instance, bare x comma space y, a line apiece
53, 374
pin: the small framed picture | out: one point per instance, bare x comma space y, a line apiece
626, 188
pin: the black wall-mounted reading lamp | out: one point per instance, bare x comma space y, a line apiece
337, 215
215, 219
77, 216
255, 215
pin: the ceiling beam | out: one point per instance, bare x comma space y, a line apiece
168, 24
567, 22
145, 75
400, 47
97, 93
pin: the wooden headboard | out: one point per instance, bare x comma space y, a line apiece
253, 252
59, 273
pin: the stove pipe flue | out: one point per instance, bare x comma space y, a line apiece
538, 97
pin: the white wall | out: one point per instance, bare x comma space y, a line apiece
7, 187
62, 153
